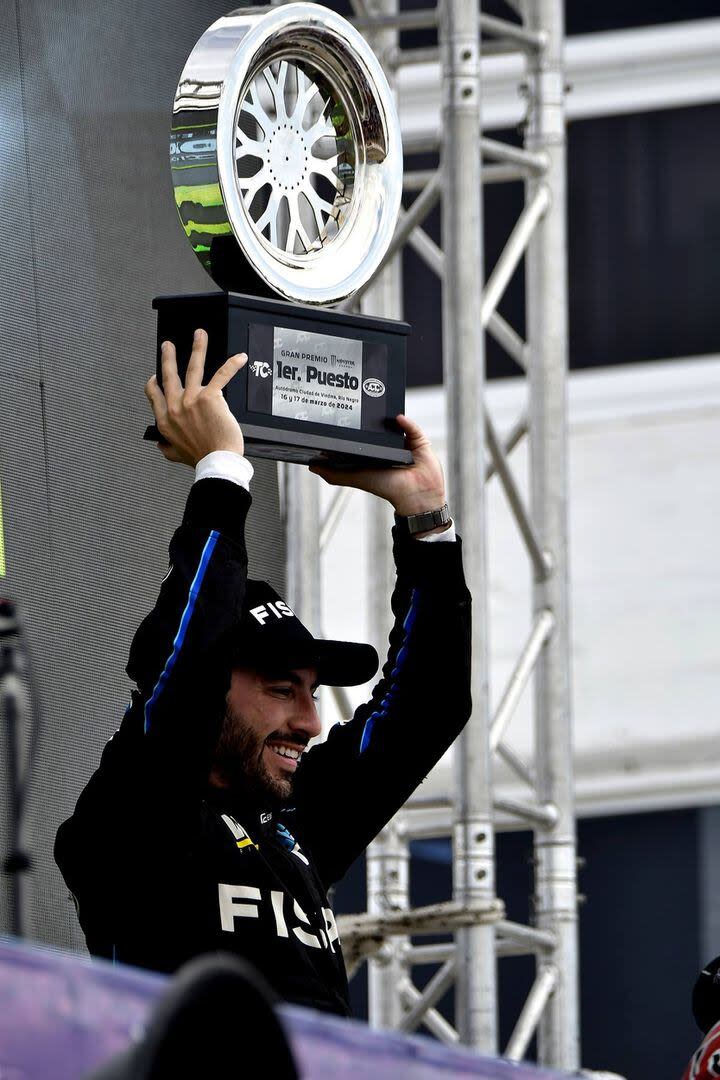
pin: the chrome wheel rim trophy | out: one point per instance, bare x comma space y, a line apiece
286, 162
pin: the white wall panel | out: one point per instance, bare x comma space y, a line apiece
645, 517
608, 74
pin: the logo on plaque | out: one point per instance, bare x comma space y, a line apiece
286, 164
374, 388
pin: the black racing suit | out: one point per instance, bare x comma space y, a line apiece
161, 867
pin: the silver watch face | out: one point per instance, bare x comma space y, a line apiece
286, 152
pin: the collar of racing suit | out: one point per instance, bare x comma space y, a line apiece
256, 818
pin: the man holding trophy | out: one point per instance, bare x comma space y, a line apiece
209, 826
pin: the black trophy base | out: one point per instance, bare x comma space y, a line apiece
319, 387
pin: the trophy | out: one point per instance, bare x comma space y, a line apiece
286, 163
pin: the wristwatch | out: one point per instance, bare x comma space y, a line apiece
431, 519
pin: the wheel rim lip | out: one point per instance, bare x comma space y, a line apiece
376, 198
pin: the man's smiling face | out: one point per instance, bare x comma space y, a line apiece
269, 720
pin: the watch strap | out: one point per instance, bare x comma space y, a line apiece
431, 519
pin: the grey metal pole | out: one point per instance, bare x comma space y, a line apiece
537, 999
546, 278
388, 857
388, 889
476, 994
302, 530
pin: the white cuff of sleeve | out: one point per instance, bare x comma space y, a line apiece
225, 465
434, 538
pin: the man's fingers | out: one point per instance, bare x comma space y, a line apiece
415, 437
196, 364
169, 452
356, 478
172, 386
156, 397
331, 476
224, 374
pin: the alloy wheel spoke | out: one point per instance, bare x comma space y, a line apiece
248, 146
296, 228
277, 89
256, 110
269, 217
306, 91
321, 127
318, 205
324, 167
252, 184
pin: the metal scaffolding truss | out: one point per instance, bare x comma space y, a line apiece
385, 935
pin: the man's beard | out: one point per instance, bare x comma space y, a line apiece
238, 763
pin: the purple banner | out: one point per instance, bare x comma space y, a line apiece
61, 1015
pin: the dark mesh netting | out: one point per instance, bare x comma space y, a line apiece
90, 235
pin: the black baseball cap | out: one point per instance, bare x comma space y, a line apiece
273, 637
706, 996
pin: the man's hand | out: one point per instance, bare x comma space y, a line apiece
414, 490
194, 419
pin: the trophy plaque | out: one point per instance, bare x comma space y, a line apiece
286, 163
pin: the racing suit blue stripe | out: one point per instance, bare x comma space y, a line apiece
184, 623
400, 659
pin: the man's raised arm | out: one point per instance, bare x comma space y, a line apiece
350, 786
181, 655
